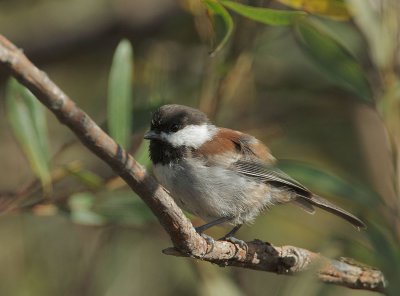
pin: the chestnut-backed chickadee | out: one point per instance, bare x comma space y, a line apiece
222, 175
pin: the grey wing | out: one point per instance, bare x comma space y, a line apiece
305, 198
269, 174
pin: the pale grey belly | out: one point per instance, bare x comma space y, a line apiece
213, 192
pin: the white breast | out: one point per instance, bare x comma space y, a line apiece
213, 192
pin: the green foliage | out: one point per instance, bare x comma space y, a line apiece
266, 16
28, 120
332, 58
122, 207
119, 106
86, 177
329, 54
263, 15
217, 9
142, 153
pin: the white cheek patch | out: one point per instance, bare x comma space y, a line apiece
191, 136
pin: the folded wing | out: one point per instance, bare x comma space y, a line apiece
262, 172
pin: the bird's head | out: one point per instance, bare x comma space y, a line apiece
180, 126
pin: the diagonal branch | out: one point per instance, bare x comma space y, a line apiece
259, 256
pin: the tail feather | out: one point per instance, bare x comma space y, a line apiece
305, 205
331, 208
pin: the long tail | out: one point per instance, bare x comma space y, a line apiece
315, 200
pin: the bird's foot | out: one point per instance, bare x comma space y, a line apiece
237, 241
210, 241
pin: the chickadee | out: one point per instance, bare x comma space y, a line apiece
222, 175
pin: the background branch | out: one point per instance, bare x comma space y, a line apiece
259, 256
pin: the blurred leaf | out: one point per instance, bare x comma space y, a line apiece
388, 253
28, 120
217, 9
81, 205
334, 9
332, 58
123, 206
329, 184
373, 20
120, 206
87, 177
119, 106
383, 243
264, 15
142, 154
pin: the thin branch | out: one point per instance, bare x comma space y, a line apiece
290, 260
259, 256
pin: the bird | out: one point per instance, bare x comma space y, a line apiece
222, 175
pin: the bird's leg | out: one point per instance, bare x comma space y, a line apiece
232, 232
202, 228
230, 238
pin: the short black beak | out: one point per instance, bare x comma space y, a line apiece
151, 135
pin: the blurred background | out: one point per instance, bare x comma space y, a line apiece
323, 94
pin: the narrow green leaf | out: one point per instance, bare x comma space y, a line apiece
332, 58
119, 105
87, 177
265, 15
28, 121
219, 10
39, 121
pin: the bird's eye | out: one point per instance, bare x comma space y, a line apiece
175, 128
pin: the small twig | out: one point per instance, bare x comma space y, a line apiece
260, 256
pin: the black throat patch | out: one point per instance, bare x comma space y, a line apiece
165, 153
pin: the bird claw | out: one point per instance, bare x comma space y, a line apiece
210, 241
237, 241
